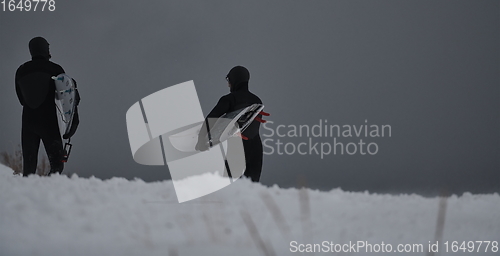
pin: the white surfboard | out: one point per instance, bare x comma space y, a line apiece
228, 125
233, 123
65, 101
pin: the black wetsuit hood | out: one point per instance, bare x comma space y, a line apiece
39, 48
238, 77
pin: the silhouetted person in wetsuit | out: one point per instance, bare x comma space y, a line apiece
35, 89
238, 98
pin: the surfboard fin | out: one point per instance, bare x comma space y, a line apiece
242, 136
264, 113
258, 119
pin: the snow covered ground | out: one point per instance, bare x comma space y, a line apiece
77, 216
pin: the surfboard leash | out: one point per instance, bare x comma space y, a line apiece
66, 151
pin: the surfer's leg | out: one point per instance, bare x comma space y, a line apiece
30, 142
253, 158
53, 146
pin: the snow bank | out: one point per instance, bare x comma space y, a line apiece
62, 215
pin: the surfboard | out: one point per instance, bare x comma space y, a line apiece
232, 124
65, 99
229, 125
65, 102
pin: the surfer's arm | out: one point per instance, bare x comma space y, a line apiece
19, 95
220, 109
18, 90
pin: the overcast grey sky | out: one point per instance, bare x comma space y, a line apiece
429, 69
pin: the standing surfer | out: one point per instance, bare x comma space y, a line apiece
238, 98
35, 90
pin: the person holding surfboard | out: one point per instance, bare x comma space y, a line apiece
238, 98
35, 90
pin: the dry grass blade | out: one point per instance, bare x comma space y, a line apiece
43, 167
13, 160
277, 215
305, 211
210, 228
254, 234
438, 236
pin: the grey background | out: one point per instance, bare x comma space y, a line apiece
430, 69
